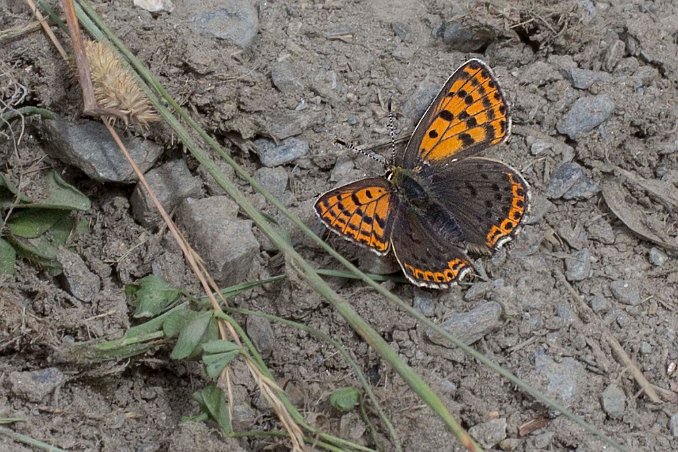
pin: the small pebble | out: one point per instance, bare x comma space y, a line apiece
539, 147
599, 304
489, 433
645, 348
614, 401
601, 231
673, 425
259, 329
578, 267
658, 257
35, 385
234, 21
284, 77
470, 326
586, 114
467, 35
423, 301
287, 151
274, 180
563, 179
626, 292
584, 78
76, 278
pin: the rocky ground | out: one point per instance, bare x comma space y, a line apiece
593, 88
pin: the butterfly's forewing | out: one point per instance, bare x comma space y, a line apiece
488, 199
429, 248
361, 212
469, 114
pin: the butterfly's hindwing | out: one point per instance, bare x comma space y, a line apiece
469, 114
488, 198
361, 211
430, 252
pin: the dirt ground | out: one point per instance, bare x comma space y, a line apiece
324, 70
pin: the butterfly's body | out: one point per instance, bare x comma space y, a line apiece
437, 201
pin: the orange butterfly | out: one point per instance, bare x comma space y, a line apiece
436, 201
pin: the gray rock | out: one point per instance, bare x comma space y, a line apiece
599, 304
602, 232
35, 385
563, 378
402, 30
613, 55
541, 441
284, 77
658, 257
87, 145
578, 267
171, 182
226, 243
539, 207
539, 147
564, 314
673, 425
563, 179
586, 114
584, 188
626, 292
288, 151
489, 433
234, 21
260, 331
614, 401
274, 180
342, 169
510, 444
76, 278
423, 302
645, 348
584, 78
467, 35
575, 236
479, 289
470, 326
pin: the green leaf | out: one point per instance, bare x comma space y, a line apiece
191, 336
215, 364
157, 323
217, 355
213, 403
64, 195
152, 296
219, 346
345, 399
39, 251
32, 223
9, 194
7, 258
177, 321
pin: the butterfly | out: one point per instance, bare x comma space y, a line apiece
437, 201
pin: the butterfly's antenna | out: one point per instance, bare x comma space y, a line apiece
371, 155
391, 131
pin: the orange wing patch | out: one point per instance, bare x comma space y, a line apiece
505, 227
360, 212
470, 113
439, 278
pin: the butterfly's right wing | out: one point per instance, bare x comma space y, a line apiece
362, 212
468, 115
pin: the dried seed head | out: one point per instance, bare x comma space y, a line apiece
116, 88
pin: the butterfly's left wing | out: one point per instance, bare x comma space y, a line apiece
429, 247
469, 114
361, 212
